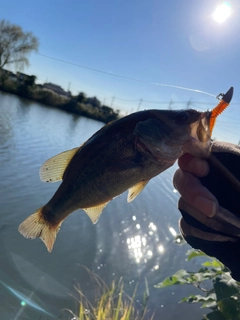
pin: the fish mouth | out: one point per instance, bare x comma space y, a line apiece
202, 129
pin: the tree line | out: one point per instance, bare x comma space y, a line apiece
15, 48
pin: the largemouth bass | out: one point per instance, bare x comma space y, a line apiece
123, 155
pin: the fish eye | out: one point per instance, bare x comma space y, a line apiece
181, 117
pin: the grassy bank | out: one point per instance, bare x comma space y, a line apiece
68, 104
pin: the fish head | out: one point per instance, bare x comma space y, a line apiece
202, 130
168, 134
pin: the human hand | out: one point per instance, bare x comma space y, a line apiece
189, 186
212, 228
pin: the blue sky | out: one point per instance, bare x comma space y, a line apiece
171, 42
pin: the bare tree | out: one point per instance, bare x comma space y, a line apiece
15, 45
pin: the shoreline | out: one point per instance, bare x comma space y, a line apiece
68, 104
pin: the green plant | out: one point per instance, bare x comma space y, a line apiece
111, 303
219, 291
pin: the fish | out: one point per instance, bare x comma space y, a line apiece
123, 155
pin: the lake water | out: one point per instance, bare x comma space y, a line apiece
133, 241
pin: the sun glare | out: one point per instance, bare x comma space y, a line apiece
222, 12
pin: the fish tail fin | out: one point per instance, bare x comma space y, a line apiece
35, 226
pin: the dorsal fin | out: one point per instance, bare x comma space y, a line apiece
95, 212
53, 169
136, 189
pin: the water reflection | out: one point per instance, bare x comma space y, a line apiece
30, 273
161, 248
173, 231
142, 246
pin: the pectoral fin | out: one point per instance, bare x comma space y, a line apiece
95, 212
135, 190
53, 169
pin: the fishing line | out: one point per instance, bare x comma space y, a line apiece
124, 77
89, 68
182, 88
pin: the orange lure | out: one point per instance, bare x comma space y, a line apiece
223, 104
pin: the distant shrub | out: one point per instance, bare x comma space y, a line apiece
9, 86
47, 97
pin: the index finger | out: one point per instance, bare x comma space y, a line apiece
194, 193
196, 166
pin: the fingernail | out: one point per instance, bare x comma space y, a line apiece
206, 206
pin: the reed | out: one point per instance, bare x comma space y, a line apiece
112, 303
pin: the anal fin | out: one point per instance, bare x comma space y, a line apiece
53, 169
95, 212
136, 189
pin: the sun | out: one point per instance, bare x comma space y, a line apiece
222, 12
